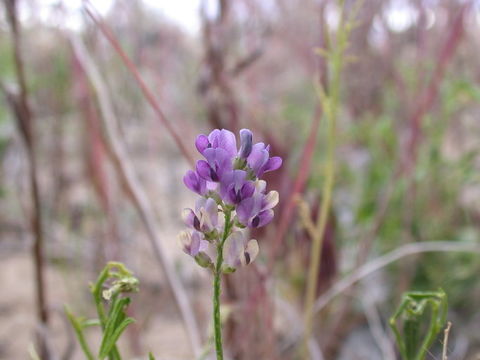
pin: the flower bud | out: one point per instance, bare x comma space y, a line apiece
245, 143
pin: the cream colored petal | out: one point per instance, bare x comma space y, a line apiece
250, 253
272, 199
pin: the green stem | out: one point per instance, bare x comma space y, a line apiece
79, 333
97, 297
217, 287
329, 99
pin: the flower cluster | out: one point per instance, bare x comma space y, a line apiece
233, 197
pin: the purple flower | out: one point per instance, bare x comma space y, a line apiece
245, 143
234, 187
256, 211
205, 216
195, 182
194, 244
228, 179
260, 161
238, 251
222, 139
217, 164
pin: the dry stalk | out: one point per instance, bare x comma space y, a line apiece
18, 101
446, 333
134, 190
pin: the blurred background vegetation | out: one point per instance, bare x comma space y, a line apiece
407, 163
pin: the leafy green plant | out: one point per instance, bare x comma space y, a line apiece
408, 323
108, 294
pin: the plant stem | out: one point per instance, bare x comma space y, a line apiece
79, 333
330, 104
216, 288
97, 297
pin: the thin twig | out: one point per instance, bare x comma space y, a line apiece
107, 32
135, 191
382, 261
298, 185
446, 333
376, 328
330, 105
23, 115
428, 97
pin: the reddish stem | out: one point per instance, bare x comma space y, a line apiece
141, 83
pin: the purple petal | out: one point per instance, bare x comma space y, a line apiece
236, 181
225, 140
204, 170
245, 143
190, 219
273, 164
196, 243
213, 138
238, 178
261, 219
219, 161
248, 189
226, 184
232, 197
211, 186
194, 182
245, 210
201, 143
258, 158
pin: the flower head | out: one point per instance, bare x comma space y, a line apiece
229, 181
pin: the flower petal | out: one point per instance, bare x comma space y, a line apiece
201, 143
190, 219
273, 164
262, 219
245, 210
258, 158
233, 249
245, 143
194, 182
250, 252
209, 215
204, 170
247, 189
270, 200
196, 243
225, 140
184, 239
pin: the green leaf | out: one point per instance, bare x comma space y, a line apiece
115, 324
111, 340
408, 322
78, 327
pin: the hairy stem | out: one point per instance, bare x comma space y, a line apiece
217, 287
